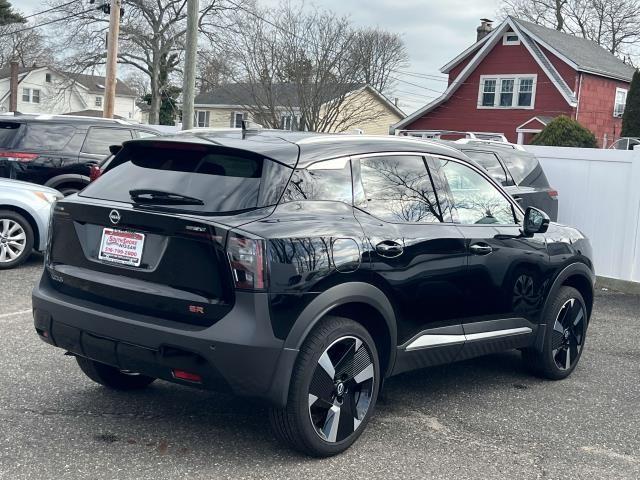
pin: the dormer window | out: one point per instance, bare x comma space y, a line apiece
511, 38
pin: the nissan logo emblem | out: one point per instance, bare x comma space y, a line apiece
114, 216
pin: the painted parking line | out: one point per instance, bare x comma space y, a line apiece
12, 314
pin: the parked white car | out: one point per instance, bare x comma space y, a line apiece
24, 220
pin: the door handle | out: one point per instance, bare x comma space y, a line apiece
389, 249
481, 249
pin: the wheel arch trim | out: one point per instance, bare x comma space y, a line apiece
571, 270
58, 180
345, 293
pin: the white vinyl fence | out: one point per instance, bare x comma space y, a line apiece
599, 193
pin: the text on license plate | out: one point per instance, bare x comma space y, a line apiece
121, 247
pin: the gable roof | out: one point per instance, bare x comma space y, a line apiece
284, 94
582, 54
92, 83
588, 57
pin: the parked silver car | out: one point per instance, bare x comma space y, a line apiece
24, 220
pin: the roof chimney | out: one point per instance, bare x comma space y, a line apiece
485, 28
13, 87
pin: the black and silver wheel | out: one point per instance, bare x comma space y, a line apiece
111, 376
565, 336
333, 389
16, 239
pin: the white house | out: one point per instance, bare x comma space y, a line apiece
47, 90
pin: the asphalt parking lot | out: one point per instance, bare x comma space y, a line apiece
480, 419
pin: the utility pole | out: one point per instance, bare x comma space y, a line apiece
112, 59
189, 77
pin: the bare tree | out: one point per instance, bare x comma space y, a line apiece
613, 24
28, 48
152, 37
306, 63
214, 69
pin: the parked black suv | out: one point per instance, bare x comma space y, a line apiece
517, 170
304, 270
57, 150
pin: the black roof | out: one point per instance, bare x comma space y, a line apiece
304, 148
75, 120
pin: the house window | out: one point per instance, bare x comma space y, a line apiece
489, 92
512, 91
47, 77
511, 38
238, 117
31, 95
98, 102
621, 101
525, 92
506, 92
202, 118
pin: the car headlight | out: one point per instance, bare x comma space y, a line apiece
47, 196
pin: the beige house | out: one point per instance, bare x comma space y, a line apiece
363, 109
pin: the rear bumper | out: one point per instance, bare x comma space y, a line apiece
238, 353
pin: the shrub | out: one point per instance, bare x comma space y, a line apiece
631, 117
565, 132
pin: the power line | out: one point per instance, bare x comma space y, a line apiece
49, 10
46, 23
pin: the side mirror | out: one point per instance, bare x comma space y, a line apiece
114, 149
535, 221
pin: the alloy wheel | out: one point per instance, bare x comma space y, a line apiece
341, 389
13, 240
568, 334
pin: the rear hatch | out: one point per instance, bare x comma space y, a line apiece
149, 236
9, 132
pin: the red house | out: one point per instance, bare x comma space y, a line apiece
519, 76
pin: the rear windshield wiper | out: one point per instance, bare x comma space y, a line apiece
160, 197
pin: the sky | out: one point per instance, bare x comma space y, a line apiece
434, 32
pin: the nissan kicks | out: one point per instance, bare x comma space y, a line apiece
304, 270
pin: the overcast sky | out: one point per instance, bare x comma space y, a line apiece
434, 32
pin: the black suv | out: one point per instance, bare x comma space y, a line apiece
517, 170
58, 151
304, 270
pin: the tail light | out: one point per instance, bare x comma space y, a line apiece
247, 259
18, 156
553, 194
94, 172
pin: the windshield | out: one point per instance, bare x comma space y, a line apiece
223, 180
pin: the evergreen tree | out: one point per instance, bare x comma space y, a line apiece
565, 132
631, 117
8, 15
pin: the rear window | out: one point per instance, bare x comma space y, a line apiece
45, 136
225, 180
524, 168
8, 133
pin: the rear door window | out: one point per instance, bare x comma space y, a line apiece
398, 189
491, 164
8, 133
328, 180
224, 180
522, 165
99, 139
39, 136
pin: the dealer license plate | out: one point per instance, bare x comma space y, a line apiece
123, 248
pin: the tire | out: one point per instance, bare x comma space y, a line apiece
112, 377
564, 339
70, 189
16, 239
311, 423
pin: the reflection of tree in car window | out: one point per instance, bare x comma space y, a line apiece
475, 200
399, 189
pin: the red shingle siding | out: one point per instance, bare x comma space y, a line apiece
595, 110
460, 112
